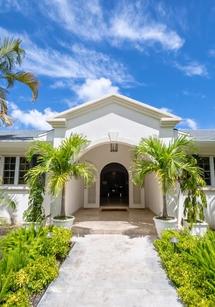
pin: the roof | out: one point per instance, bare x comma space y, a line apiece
165, 117
203, 135
19, 135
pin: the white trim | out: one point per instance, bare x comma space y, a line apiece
16, 177
165, 117
1, 167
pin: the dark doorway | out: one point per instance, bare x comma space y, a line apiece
114, 185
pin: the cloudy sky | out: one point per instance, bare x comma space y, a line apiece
158, 52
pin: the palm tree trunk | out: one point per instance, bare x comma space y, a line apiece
63, 209
164, 214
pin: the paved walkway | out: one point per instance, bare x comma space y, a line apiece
131, 222
111, 271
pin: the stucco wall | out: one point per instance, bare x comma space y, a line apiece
130, 124
20, 196
74, 195
153, 195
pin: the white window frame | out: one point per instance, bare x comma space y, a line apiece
16, 175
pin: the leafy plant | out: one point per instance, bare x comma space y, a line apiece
167, 161
19, 298
37, 274
35, 212
28, 262
191, 184
11, 56
190, 267
61, 164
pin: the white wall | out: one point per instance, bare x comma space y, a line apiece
74, 197
153, 194
130, 124
20, 196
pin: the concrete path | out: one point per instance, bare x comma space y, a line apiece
111, 271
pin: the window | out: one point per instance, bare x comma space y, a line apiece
204, 163
15, 169
23, 168
9, 170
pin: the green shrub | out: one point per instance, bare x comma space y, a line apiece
191, 266
28, 262
43, 241
18, 299
58, 244
37, 274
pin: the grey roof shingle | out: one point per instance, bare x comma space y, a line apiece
202, 134
19, 135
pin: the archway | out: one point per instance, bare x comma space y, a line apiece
114, 185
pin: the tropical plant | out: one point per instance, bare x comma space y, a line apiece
35, 211
191, 185
191, 266
166, 161
11, 56
29, 261
60, 164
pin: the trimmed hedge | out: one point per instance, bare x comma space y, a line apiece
29, 261
190, 266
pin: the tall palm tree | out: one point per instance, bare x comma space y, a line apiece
166, 161
60, 164
11, 56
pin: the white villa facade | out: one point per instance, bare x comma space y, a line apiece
113, 125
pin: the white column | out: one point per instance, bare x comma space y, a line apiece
16, 179
211, 160
1, 168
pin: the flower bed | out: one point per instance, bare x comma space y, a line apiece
190, 265
29, 262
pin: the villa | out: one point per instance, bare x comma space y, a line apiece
113, 125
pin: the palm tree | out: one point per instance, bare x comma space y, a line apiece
166, 161
60, 164
11, 56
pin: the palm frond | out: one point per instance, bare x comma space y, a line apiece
41, 149
4, 118
11, 53
26, 78
72, 146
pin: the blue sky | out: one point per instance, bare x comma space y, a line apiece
158, 52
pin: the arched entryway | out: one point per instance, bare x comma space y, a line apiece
114, 185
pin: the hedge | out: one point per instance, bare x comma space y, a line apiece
29, 261
190, 265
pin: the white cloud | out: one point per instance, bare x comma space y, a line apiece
193, 69
95, 88
188, 123
31, 118
58, 84
150, 33
126, 20
81, 63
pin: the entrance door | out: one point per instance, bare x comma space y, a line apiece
114, 185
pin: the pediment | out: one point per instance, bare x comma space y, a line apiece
166, 119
